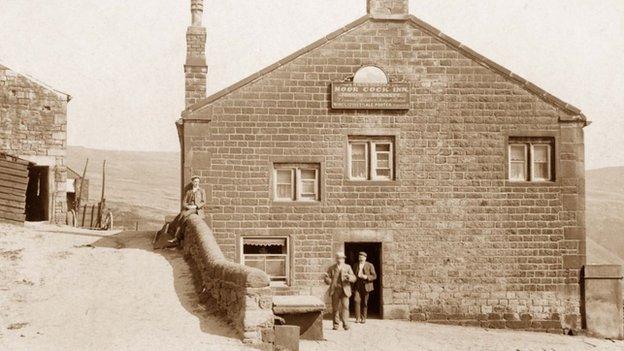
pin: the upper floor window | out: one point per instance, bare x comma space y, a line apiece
531, 159
371, 158
370, 75
296, 182
269, 255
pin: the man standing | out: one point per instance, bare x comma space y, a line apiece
339, 277
363, 286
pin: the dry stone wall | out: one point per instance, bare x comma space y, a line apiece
242, 294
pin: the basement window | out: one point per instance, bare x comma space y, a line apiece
531, 159
268, 254
296, 182
371, 158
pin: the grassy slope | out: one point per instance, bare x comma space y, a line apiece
605, 215
139, 185
146, 185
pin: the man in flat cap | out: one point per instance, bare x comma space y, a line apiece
366, 274
339, 277
194, 201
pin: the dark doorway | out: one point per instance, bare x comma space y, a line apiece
373, 252
37, 194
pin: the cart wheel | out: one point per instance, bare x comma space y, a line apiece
108, 222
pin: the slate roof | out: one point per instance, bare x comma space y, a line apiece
574, 112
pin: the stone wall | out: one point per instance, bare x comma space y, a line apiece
460, 243
242, 294
33, 126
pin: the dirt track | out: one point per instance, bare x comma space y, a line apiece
67, 289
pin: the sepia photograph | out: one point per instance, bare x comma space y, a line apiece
311, 175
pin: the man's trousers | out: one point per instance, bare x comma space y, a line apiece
340, 308
361, 303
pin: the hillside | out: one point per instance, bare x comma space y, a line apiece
605, 215
144, 186
140, 186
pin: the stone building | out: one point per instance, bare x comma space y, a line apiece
33, 127
463, 181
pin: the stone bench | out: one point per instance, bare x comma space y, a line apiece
304, 311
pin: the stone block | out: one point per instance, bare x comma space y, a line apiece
287, 337
603, 301
396, 312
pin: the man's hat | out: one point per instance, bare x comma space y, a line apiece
340, 254
194, 177
362, 253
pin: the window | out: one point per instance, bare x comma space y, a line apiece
296, 182
531, 159
371, 158
370, 75
268, 254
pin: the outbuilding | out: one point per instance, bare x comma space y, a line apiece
33, 129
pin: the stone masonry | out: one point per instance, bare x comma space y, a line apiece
33, 125
195, 68
240, 293
460, 243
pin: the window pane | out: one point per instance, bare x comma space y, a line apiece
517, 171
276, 266
540, 153
358, 161
358, 169
383, 161
385, 173
284, 176
308, 174
382, 147
254, 263
284, 191
308, 187
540, 171
358, 152
517, 153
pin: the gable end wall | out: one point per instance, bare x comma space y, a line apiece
460, 244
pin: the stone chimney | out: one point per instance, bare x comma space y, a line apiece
195, 68
388, 8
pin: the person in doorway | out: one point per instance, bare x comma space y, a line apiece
194, 201
339, 277
366, 274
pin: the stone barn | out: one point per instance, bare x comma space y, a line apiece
462, 181
33, 127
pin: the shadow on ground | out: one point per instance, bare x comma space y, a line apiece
187, 287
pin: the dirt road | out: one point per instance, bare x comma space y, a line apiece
69, 289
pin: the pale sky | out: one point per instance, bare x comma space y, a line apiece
121, 60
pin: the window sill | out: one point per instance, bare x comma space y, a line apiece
278, 284
351, 182
524, 183
295, 203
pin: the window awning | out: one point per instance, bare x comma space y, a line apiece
265, 242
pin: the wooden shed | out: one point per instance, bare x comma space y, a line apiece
13, 187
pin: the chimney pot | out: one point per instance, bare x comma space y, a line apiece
387, 8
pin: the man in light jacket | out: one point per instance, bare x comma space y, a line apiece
339, 277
